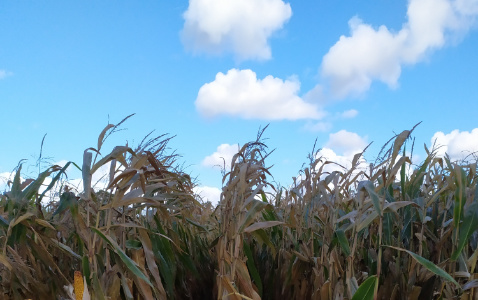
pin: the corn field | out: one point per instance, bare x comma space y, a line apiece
388, 231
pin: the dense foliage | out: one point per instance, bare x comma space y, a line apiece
383, 232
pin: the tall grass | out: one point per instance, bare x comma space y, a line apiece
389, 231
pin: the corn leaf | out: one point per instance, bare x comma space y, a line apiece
469, 225
368, 186
67, 201
262, 225
401, 138
460, 194
429, 265
366, 289
55, 180
256, 208
344, 243
132, 266
252, 268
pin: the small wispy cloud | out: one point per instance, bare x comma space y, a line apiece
326, 125
318, 126
349, 114
5, 74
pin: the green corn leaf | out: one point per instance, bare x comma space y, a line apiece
55, 180
387, 228
165, 257
403, 181
67, 201
469, 225
429, 265
16, 190
3, 222
133, 244
460, 194
14, 223
344, 243
252, 268
366, 289
263, 238
35, 186
197, 224
417, 179
132, 266
368, 186
85, 170
97, 289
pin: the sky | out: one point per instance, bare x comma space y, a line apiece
213, 72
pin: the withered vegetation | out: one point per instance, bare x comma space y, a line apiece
387, 231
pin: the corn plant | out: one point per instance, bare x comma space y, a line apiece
386, 230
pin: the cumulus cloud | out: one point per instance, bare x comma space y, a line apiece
346, 142
341, 148
208, 193
222, 157
458, 144
242, 27
241, 93
5, 177
340, 160
370, 53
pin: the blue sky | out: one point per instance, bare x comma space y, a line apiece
213, 72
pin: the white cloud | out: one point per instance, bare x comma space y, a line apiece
316, 95
340, 149
324, 126
239, 26
9, 176
318, 127
349, 114
348, 143
222, 156
241, 93
342, 159
4, 74
457, 144
4, 178
208, 193
467, 7
378, 54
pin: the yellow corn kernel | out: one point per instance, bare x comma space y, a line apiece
78, 285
